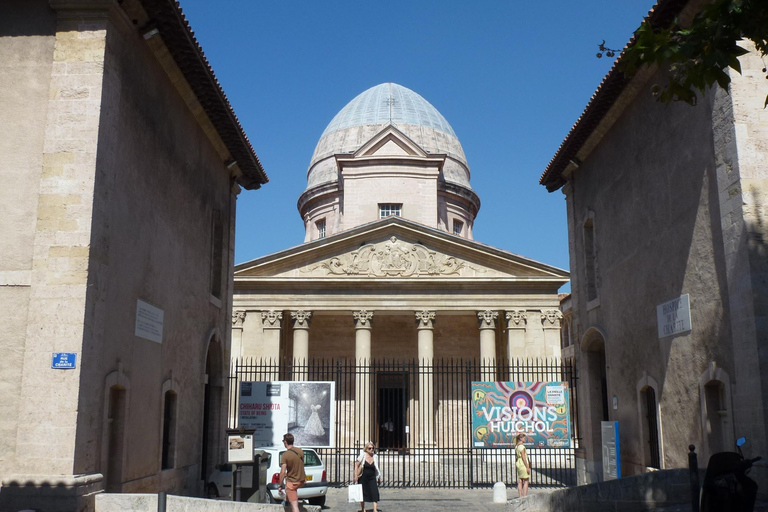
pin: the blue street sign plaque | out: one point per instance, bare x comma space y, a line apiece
64, 361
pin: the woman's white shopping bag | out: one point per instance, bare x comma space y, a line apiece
355, 493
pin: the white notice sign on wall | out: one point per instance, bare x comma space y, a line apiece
674, 317
149, 322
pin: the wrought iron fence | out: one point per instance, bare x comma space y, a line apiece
419, 417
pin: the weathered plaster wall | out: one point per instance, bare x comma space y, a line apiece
116, 186
651, 186
27, 31
159, 184
741, 138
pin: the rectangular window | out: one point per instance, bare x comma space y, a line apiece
590, 259
320, 228
169, 430
458, 227
387, 209
217, 255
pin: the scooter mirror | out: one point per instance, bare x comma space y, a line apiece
741, 441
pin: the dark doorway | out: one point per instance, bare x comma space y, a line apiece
116, 436
392, 410
653, 431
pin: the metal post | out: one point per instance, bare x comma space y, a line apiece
161, 497
693, 471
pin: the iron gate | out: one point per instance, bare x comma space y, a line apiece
387, 401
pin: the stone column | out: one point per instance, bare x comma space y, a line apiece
487, 320
238, 319
301, 320
425, 326
517, 321
364, 394
550, 320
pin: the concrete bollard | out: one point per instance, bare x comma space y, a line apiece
499, 492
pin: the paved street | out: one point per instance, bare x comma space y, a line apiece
422, 499
438, 500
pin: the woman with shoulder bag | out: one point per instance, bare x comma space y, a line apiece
368, 475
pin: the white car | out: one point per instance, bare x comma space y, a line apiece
316, 487
314, 491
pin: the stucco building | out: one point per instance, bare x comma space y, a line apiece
389, 268
121, 163
667, 203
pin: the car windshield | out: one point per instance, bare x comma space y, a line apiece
311, 458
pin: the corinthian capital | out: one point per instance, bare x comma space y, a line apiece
425, 319
487, 319
301, 319
271, 318
363, 319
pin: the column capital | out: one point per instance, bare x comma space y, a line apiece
301, 319
425, 319
363, 319
238, 317
550, 318
487, 319
516, 319
271, 319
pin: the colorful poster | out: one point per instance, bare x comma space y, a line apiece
540, 410
304, 409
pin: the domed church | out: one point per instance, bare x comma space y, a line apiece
389, 269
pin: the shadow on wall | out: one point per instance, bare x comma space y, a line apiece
41, 496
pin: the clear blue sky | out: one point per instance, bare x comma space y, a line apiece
511, 78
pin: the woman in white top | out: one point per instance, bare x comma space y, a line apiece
367, 467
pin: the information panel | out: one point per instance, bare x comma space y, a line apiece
674, 317
611, 450
305, 409
540, 410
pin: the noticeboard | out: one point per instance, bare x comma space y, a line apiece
239, 448
501, 410
305, 409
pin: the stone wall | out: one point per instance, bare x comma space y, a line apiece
148, 503
638, 493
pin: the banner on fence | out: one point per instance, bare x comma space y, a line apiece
540, 410
305, 409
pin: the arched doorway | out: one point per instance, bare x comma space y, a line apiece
213, 420
596, 403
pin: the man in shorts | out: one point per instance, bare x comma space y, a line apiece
291, 472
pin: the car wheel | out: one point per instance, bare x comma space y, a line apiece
320, 500
271, 498
213, 492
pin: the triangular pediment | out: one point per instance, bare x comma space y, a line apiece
395, 248
390, 142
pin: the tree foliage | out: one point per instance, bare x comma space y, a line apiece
697, 56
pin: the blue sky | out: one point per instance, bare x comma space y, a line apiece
511, 78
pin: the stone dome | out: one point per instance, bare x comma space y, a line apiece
369, 113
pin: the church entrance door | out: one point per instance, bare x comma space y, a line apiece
392, 410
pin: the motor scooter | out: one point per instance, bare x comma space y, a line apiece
726, 487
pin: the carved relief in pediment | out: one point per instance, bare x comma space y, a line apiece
394, 258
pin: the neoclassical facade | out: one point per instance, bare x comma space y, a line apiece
389, 269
